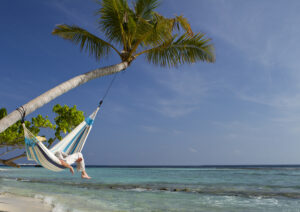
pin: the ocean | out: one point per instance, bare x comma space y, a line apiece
184, 189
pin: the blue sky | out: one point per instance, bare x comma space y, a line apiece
243, 109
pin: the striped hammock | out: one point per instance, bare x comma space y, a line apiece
71, 143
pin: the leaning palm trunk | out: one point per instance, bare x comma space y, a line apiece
64, 87
138, 30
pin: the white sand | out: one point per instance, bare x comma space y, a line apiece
11, 203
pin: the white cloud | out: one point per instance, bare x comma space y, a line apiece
163, 130
151, 129
237, 152
235, 128
193, 150
263, 35
176, 132
183, 91
73, 14
277, 100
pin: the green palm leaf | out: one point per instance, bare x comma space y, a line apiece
113, 19
135, 30
91, 43
141, 29
185, 49
182, 22
144, 8
163, 29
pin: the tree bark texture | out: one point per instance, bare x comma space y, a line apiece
62, 88
9, 162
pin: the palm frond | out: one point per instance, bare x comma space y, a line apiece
91, 43
161, 30
113, 17
185, 49
143, 14
165, 41
182, 22
144, 8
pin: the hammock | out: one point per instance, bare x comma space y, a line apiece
71, 143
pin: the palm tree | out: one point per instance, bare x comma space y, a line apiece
137, 30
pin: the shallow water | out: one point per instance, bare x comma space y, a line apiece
160, 189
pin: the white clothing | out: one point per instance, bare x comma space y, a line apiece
70, 159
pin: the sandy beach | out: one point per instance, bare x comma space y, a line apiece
12, 203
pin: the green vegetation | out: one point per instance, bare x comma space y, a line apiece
141, 30
131, 29
12, 139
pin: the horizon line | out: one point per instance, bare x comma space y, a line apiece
182, 166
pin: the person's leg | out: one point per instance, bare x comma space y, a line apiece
59, 155
81, 166
63, 163
80, 162
78, 158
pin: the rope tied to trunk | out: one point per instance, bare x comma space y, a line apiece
22, 112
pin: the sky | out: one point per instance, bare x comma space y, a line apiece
242, 109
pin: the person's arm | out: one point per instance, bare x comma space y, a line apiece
64, 154
64, 164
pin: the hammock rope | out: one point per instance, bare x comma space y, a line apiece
22, 112
109, 87
71, 143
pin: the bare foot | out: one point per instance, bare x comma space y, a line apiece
72, 170
85, 176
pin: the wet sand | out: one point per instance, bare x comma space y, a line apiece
12, 203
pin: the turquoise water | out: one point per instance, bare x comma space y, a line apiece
160, 189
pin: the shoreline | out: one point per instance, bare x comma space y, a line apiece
130, 189
14, 203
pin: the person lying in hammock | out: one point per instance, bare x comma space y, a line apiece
67, 160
